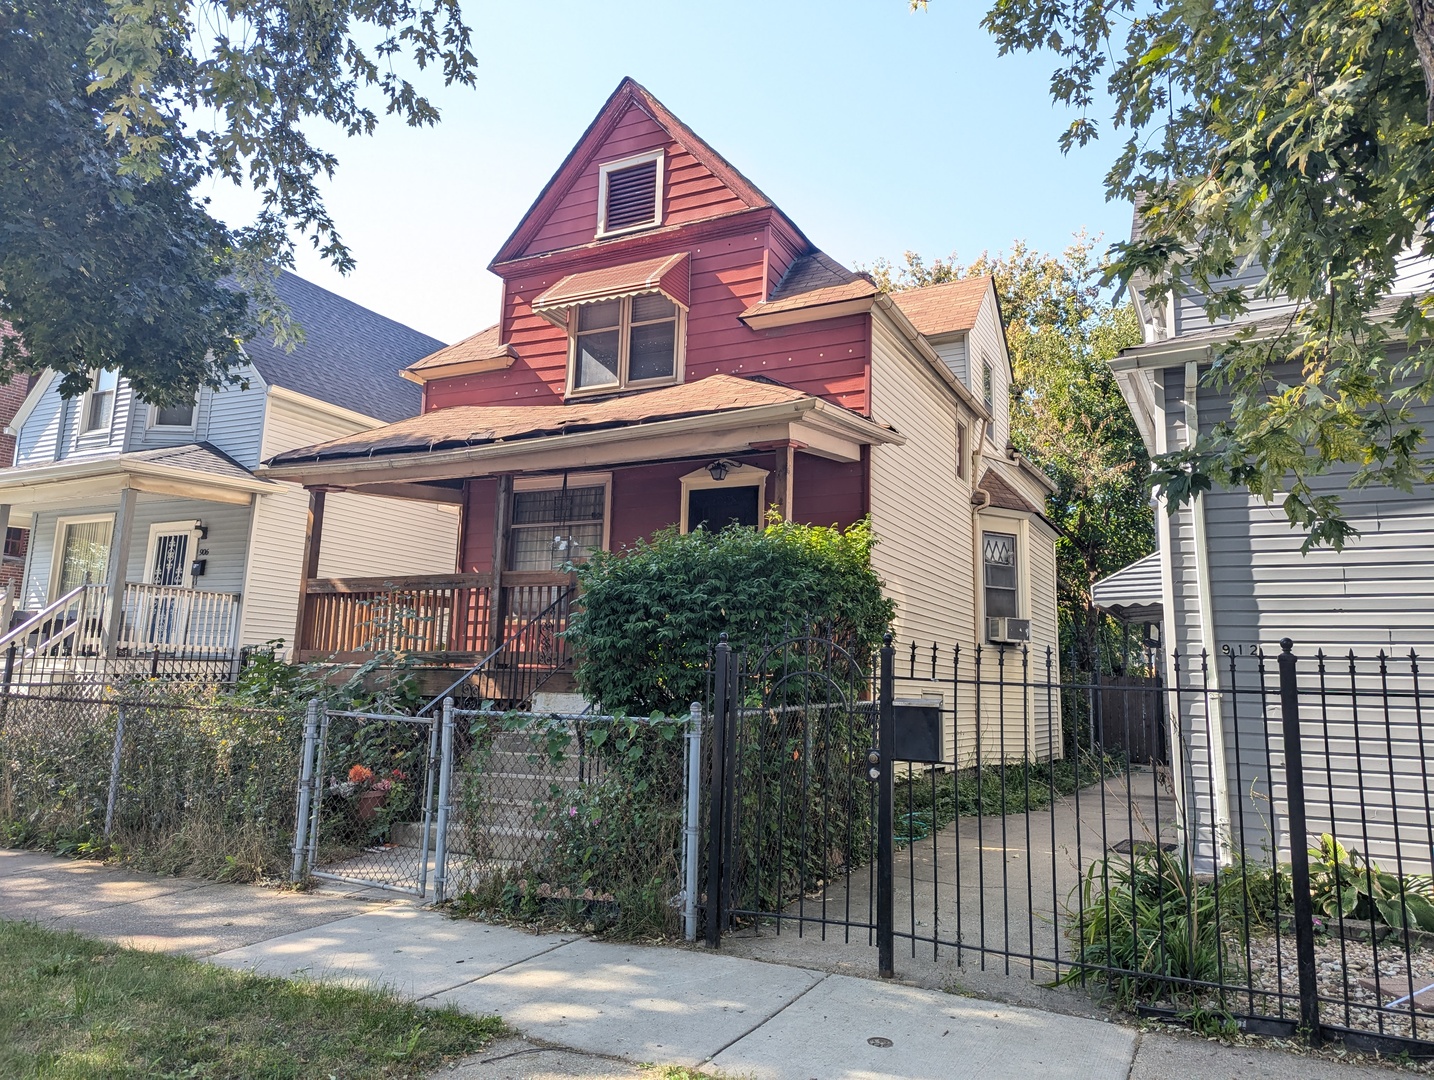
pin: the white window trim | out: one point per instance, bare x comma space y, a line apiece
1020, 528
658, 156
624, 333
963, 451
575, 480
737, 476
173, 528
52, 592
105, 432
154, 425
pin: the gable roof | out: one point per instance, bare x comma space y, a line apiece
473, 425
813, 281
948, 308
351, 357
481, 351
629, 93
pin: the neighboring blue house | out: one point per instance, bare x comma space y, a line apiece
163, 502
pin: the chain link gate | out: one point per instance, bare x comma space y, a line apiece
373, 799
799, 795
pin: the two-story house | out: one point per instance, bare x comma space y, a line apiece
150, 533
672, 350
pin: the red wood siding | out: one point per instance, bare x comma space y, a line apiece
827, 492
478, 526
729, 274
690, 191
645, 500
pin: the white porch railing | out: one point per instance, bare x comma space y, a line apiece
172, 619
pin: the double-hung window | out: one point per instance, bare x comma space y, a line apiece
631, 341
1002, 592
555, 526
97, 410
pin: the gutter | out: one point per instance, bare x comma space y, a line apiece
70, 469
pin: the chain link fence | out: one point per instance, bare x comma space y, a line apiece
166, 778
575, 819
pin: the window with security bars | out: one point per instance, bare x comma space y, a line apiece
999, 550
630, 195
629, 341
555, 526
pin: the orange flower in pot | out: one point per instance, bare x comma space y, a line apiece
371, 798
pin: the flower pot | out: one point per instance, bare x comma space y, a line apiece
368, 804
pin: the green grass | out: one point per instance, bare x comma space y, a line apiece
73, 1007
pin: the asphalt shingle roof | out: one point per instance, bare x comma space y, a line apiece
351, 356
813, 280
948, 308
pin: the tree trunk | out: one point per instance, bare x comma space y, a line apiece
1423, 14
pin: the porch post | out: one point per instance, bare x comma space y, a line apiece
115, 574
11, 596
784, 452
502, 514
313, 543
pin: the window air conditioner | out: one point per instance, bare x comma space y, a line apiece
1008, 631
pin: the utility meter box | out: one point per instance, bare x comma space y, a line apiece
916, 730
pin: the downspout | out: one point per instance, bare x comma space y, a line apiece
1214, 714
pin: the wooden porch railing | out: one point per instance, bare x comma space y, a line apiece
453, 617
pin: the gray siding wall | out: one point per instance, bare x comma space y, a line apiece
226, 545
52, 431
1376, 595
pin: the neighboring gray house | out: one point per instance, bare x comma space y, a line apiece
1229, 581
151, 533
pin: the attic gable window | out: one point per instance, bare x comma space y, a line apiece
630, 194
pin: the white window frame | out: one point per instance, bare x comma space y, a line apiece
624, 335
173, 528
57, 555
738, 475
85, 400
604, 170
552, 483
155, 425
1018, 527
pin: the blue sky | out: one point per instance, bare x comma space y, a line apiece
876, 129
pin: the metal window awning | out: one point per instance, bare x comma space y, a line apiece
1132, 593
669, 275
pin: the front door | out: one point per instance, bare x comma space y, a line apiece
169, 554
715, 508
161, 612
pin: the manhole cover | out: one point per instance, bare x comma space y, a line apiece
877, 1040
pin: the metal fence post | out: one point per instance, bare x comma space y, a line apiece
721, 667
306, 788
115, 772
689, 821
885, 818
445, 769
1299, 842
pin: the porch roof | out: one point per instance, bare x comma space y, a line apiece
193, 470
716, 415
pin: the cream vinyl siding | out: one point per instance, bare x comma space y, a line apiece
920, 511
922, 517
276, 556
986, 342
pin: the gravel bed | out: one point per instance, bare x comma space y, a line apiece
1342, 969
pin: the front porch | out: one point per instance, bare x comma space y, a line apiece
542, 487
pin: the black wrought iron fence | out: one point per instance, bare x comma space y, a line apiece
1244, 835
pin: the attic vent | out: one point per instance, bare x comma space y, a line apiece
631, 194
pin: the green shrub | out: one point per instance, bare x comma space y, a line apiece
1346, 885
1147, 925
649, 614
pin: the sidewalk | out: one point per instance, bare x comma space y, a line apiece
589, 1006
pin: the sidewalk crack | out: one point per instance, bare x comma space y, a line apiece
767, 1019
